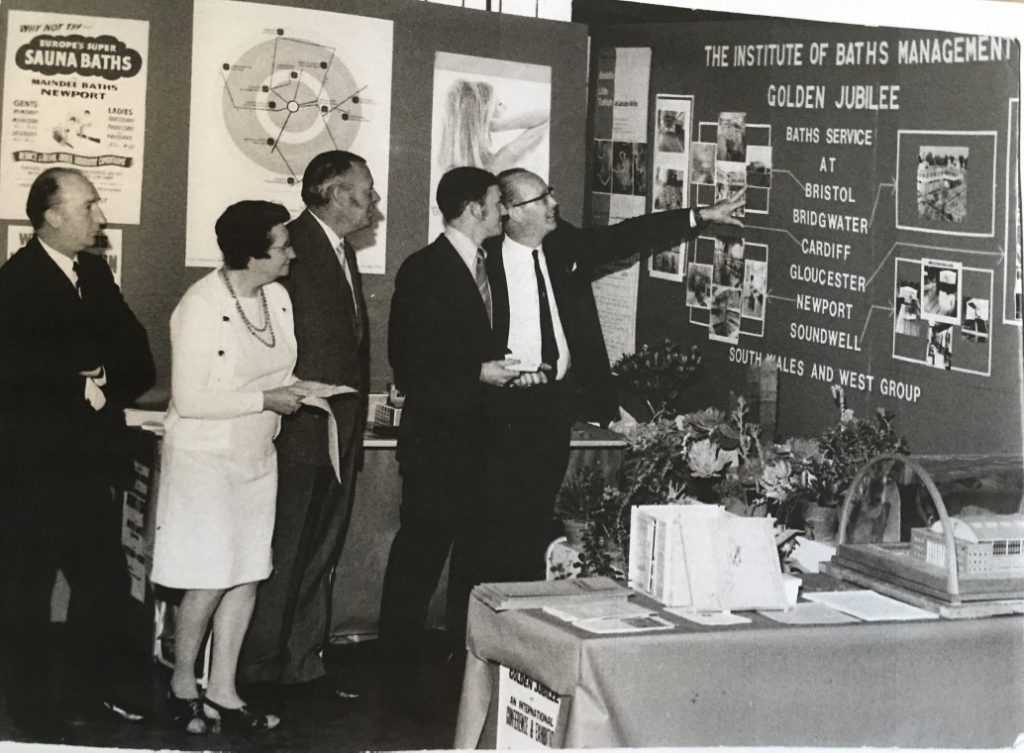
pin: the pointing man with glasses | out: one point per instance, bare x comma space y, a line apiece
545, 317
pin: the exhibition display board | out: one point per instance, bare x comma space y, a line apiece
235, 113
881, 243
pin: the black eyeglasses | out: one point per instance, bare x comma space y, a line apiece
549, 192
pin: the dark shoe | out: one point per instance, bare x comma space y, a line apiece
187, 714
237, 721
325, 687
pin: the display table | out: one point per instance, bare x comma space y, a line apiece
359, 578
932, 683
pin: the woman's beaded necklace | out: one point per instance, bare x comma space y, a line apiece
257, 332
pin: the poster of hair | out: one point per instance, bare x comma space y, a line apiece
272, 87
75, 96
488, 113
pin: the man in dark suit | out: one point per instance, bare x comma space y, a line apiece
72, 355
545, 316
440, 347
289, 628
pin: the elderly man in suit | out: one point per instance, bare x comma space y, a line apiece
289, 628
540, 273
72, 355
440, 347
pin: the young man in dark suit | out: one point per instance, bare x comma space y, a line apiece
440, 347
72, 356
540, 273
289, 628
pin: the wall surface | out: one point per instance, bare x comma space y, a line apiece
841, 230
154, 275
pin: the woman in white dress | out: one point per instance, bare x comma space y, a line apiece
233, 351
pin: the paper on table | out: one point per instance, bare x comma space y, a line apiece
624, 624
809, 554
598, 610
710, 618
870, 606
810, 613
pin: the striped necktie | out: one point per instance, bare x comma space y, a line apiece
483, 285
78, 280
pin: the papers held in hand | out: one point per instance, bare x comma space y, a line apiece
549, 593
311, 389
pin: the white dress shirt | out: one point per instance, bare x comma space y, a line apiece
336, 242
466, 249
524, 307
64, 262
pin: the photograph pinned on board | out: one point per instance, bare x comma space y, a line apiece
639, 169
698, 285
941, 291
724, 322
602, 182
942, 183
975, 324
728, 262
702, 162
759, 166
940, 346
908, 308
672, 130
668, 189
730, 179
732, 145
755, 289
622, 167
667, 264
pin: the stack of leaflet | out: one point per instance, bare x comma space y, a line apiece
550, 593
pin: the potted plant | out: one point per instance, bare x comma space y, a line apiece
828, 471
581, 502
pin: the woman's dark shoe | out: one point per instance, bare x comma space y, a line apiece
238, 721
187, 714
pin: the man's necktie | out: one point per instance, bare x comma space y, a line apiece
483, 285
548, 346
78, 280
341, 251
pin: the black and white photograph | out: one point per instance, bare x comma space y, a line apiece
724, 322
976, 317
698, 285
602, 182
939, 353
622, 167
672, 125
702, 162
759, 166
667, 264
730, 179
940, 291
668, 189
942, 183
732, 146
639, 169
755, 288
908, 307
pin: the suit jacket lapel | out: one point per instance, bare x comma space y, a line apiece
499, 291
359, 308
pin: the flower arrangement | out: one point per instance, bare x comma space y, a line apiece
658, 375
718, 457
